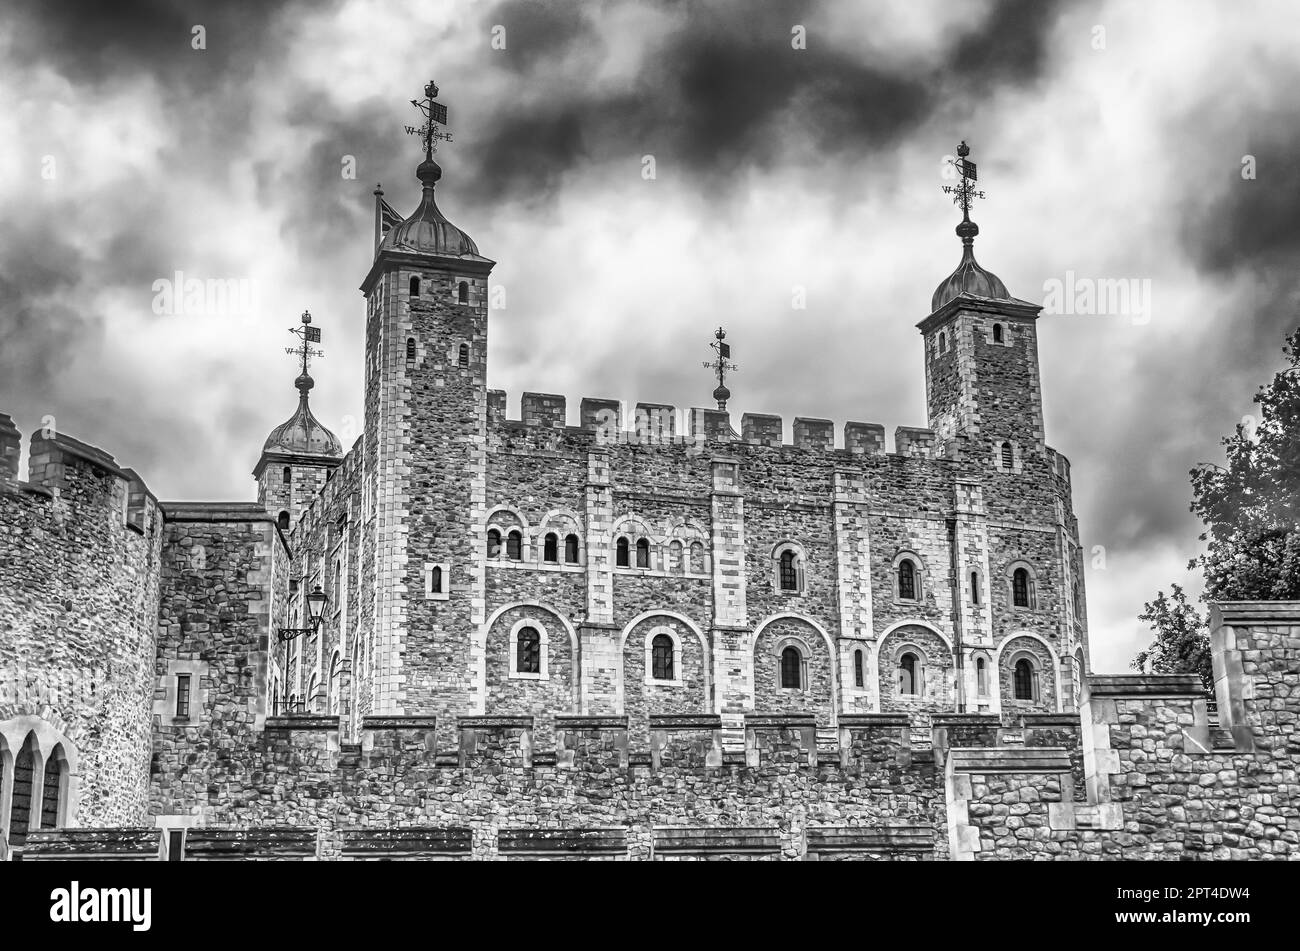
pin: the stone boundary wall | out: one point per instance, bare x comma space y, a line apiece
1163, 781
80, 547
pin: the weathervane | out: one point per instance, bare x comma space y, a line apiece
309, 335
964, 192
432, 112
720, 365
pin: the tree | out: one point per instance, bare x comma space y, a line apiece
1251, 508
1182, 644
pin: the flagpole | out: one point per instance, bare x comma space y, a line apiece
379, 214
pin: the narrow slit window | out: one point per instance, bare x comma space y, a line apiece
975, 588
462, 292
415, 287
859, 677
53, 789
463, 356
183, 695
1008, 457
435, 579
997, 333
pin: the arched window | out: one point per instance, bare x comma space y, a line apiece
282, 521
494, 543
551, 548
1024, 679
462, 292
528, 652
661, 657
435, 579
697, 558
287, 475
675, 555
620, 557
859, 677
415, 287
997, 333
53, 789
943, 342
791, 668
1020, 588
1008, 457
643, 553
335, 682
515, 545
410, 349
1074, 596
788, 574
975, 588
570, 549
907, 675
464, 355
20, 809
906, 580
981, 677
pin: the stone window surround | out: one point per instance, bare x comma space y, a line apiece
979, 596
13, 734
456, 281
1015, 455
800, 559
650, 636
909, 647
919, 574
1009, 582
164, 709
990, 675
805, 652
851, 681
1006, 333
1036, 678
429, 593
543, 650
561, 532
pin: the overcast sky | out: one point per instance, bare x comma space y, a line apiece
1110, 139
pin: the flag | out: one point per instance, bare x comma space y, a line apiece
724, 350
968, 170
388, 217
313, 335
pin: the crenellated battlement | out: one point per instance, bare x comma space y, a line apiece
613, 421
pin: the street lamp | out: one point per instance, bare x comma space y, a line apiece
315, 610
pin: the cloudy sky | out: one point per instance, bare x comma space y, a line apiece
1110, 139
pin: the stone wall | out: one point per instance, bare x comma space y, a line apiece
79, 574
1163, 780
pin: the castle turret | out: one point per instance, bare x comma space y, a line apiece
298, 455
426, 406
981, 355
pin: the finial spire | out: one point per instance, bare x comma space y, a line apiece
720, 365
963, 192
305, 351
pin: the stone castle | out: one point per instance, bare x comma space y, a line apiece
643, 636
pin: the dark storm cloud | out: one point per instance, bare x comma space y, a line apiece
725, 90
93, 40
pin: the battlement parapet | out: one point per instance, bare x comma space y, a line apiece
914, 441
11, 444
